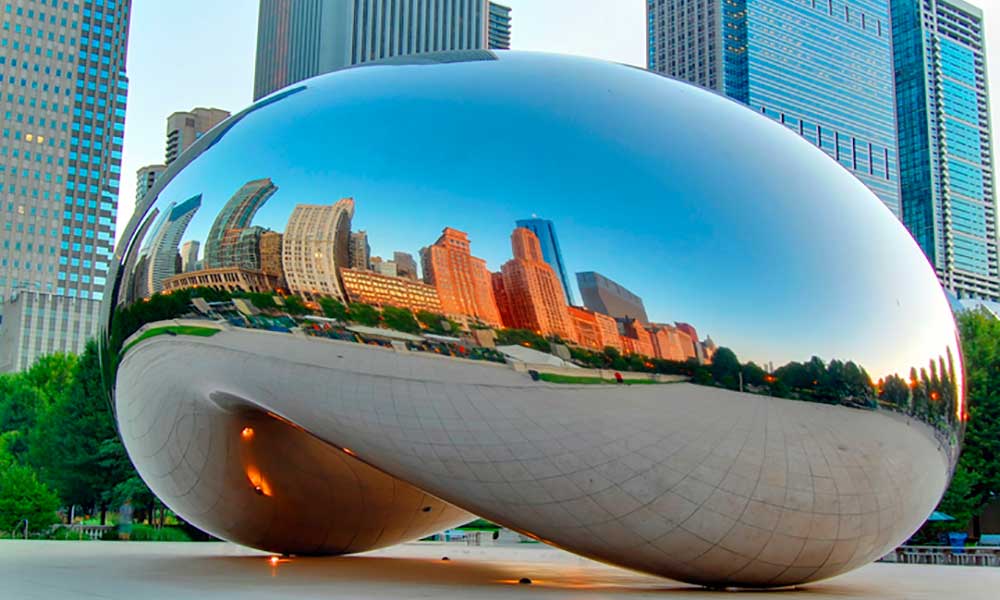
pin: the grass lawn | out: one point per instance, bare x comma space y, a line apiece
553, 378
175, 330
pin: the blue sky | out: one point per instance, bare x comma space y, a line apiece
187, 53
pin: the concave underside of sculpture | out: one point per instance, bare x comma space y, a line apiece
617, 313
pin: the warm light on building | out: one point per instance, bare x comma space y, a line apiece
533, 296
315, 246
462, 281
380, 290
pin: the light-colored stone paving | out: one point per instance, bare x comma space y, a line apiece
154, 571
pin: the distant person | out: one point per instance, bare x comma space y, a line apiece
619, 378
125, 521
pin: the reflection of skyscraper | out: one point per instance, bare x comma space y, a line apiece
241, 248
607, 297
532, 289
189, 255
316, 244
361, 251
821, 68
163, 247
462, 280
545, 230
384, 290
270, 255
945, 145
405, 265
236, 215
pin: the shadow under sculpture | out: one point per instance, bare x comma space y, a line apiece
280, 384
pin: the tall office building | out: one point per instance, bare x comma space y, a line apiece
184, 128
498, 27
298, 39
545, 231
64, 96
463, 282
823, 68
602, 295
235, 216
189, 256
531, 289
164, 248
360, 252
315, 245
946, 151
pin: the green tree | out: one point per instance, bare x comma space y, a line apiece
75, 447
22, 495
725, 368
333, 308
294, 305
400, 319
363, 314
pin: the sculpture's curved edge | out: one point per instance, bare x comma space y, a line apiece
247, 476
697, 503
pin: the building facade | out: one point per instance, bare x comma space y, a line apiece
384, 290
145, 177
316, 244
545, 231
189, 256
184, 128
230, 279
463, 282
299, 39
360, 252
603, 295
946, 149
235, 216
498, 27
56, 324
535, 297
594, 330
822, 68
63, 110
406, 266
163, 253
270, 256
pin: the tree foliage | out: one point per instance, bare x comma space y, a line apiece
22, 495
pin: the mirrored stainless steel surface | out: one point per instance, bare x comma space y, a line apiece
618, 313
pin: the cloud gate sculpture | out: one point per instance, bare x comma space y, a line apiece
617, 313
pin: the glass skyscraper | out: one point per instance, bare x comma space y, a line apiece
946, 151
823, 68
298, 39
62, 100
545, 231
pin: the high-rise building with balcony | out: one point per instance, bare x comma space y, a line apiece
822, 68
299, 39
463, 282
63, 113
532, 290
184, 128
145, 178
498, 26
545, 231
946, 148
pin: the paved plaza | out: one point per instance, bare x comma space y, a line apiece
159, 571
